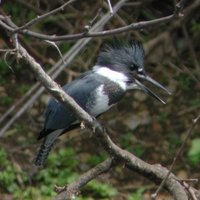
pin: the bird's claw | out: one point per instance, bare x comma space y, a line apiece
82, 125
59, 189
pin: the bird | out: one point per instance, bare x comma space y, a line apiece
118, 69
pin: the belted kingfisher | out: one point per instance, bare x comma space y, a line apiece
117, 70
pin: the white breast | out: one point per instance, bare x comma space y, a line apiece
101, 102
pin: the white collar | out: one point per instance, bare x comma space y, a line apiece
112, 75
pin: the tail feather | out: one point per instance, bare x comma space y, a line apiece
46, 147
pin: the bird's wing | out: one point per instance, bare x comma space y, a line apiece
58, 116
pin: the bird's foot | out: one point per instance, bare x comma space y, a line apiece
82, 125
59, 189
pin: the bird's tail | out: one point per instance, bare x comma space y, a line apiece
46, 146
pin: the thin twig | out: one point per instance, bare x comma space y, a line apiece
110, 7
99, 12
192, 52
57, 48
15, 37
154, 195
7, 50
190, 190
6, 62
194, 180
179, 7
133, 26
40, 18
5, 26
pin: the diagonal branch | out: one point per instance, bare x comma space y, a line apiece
156, 173
110, 7
72, 190
189, 133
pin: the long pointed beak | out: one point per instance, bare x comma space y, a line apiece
148, 91
149, 79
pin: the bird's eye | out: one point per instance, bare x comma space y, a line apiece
133, 67
140, 71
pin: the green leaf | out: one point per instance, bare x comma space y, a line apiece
102, 189
194, 152
137, 195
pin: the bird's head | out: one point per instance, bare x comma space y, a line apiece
128, 60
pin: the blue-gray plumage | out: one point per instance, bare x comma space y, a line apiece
96, 91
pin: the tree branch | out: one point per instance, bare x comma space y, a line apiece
133, 26
40, 18
72, 190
